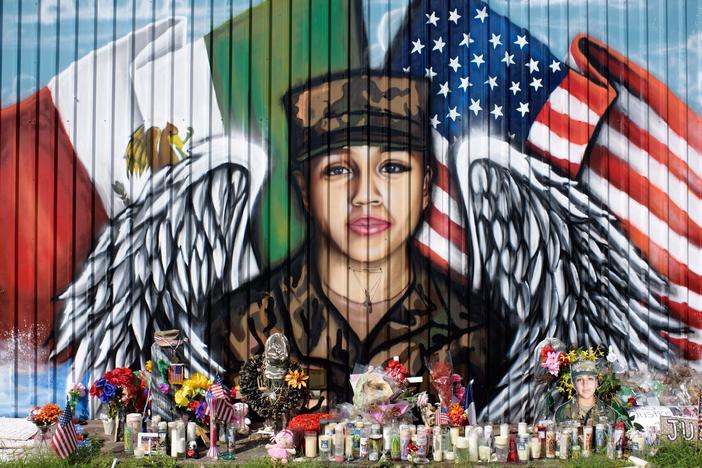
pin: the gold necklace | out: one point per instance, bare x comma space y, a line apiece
368, 301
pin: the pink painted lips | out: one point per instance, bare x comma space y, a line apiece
368, 225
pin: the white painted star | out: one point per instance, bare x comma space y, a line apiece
439, 45
475, 106
521, 41
515, 88
454, 63
429, 73
533, 65
492, 82
444, 89
435, 121
536, 84
453, 114
406, 69
495, 40
465, 84
467, 41
454, 16
432, 19
478, 60
417, 46
509, 59
497, 111
523, 108
481, 14
555, 66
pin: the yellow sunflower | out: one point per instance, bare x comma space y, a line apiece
296, 379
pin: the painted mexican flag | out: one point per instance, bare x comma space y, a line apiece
80, 149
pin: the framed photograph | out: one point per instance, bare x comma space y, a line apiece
148, 441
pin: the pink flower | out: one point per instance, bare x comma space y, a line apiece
456, 378
460, 393
552, 363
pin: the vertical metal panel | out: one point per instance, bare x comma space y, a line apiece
150, 179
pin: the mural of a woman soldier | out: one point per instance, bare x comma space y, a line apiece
358, 293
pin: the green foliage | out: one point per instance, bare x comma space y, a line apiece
678, 454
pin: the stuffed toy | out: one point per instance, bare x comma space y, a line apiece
282, 446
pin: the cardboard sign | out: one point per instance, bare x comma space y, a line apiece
678, 428
650, 416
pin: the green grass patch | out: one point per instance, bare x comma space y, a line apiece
678, 454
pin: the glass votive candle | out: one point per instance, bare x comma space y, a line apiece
535, 448
484, 453
310, 444
461, 449
501, 448
523, 446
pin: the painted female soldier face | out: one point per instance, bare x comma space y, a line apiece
365, 201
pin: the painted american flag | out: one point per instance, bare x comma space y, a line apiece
600, 119
65, 440
489, 75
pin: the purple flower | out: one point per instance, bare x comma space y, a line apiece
108, 391
200, 411
163, 388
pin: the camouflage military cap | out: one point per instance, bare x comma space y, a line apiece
358, 109
580, 368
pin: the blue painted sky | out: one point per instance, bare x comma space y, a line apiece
40, 38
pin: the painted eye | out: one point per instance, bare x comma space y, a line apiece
337, 171
394, 168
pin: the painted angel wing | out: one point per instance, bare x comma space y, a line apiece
555, 265
183, 242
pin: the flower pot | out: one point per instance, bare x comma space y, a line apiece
109, 426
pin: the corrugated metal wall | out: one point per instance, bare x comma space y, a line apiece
371, 178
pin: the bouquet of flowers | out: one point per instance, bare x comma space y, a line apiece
120, 388
76, 392
382, 394
441, 372
45, 416
191, 396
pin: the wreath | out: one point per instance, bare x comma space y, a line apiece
288, 397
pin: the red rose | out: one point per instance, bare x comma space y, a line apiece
545, 350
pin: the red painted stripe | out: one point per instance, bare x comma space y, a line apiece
683, 312
659, 258
447, 229
562, 125
658, 151
605, 63
440, 264
566, 167
690, 350
623, 177
444, 181
57, 213
597, 97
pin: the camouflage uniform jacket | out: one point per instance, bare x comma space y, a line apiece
431, 314
571, 411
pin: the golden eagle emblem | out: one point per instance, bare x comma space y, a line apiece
155, 148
